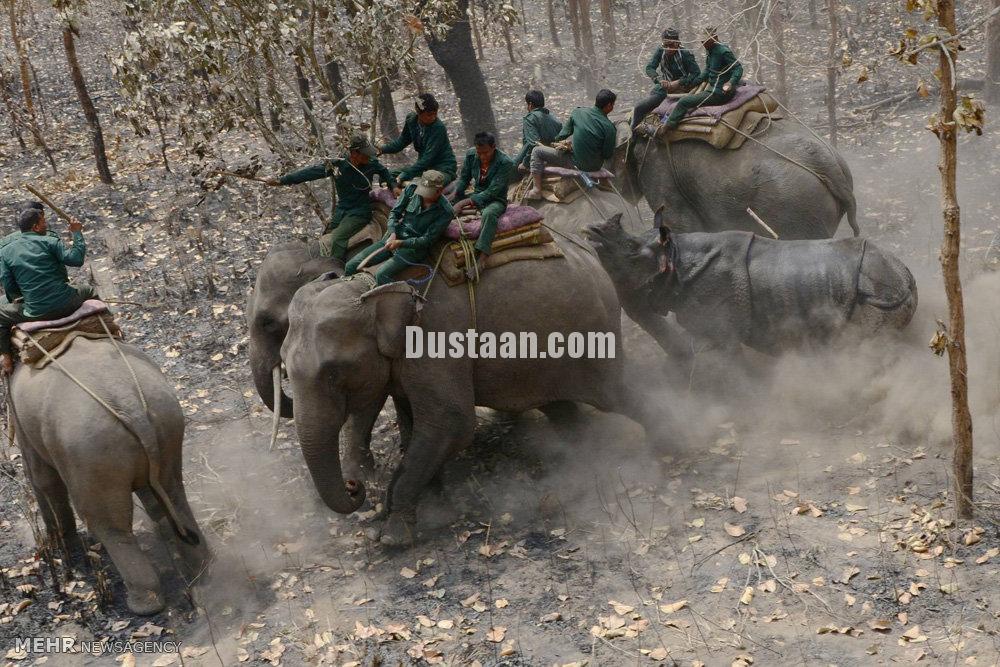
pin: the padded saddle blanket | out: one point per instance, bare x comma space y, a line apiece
724, 126
561, 185
56, 336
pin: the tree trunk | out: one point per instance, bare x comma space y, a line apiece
305, 92
388, 122
573, 9
608, 25
15, 123
24, 70
586, 29
553, 30
336, 79
961, 419
510, 44
777, 19
475, 29
89, 112
456, 57
831, 72
993, 57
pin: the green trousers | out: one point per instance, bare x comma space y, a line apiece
490, 215
341, 229
13, 313
689, 103
390, 264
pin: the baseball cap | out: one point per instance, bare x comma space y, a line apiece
671, 34
430, 182
361, 144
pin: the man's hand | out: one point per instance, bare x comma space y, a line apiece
465, 203
393, 244
522, 169
397, 191
272, 182
7, 364
727, 86
75, 225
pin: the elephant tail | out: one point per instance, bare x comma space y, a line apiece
145, 433
845, 195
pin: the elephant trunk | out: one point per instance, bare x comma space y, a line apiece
319, 424
264, 361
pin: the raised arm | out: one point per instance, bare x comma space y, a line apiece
566, 131
399, 143
74, 256
384, 174
306, 174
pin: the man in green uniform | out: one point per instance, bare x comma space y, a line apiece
723, 73
34, 278
429, 138
672, 69
592, 138
490, 170
538, 127
417, 220
352, 175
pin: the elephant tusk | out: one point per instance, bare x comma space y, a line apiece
276, 418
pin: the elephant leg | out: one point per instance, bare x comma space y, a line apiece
423, 460
358, 461
404, 418
107, 511
565, 418
53, 503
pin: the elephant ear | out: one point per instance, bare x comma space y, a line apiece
394, 311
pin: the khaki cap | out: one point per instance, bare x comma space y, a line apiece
430, 182
360, 143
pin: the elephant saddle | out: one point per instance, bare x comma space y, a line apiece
91, 320
724, 126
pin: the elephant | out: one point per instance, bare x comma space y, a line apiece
345, 352
733, 288
92, 448
797, 184
287, 267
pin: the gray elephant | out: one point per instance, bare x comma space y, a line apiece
735, 288
345, 353
76, 450
796, 183
287, 267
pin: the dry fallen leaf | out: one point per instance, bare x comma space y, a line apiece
880, 625
407, 573
496, 634
747, 596
673, 606
739, 504
620, 607
735, 530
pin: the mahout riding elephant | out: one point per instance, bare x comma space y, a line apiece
733, 288
287, 267
96, 453
793, 180
345, 352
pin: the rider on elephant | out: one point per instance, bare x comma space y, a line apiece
490, 170
352, 175
33, 267
538, 126
429, 138
592, 141
722, 73
672, 69
417, 220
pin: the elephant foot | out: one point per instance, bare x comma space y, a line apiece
397, 531
144, 602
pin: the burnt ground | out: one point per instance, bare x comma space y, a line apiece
807, 521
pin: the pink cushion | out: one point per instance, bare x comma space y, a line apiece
744, 94
89, 307
563, 171
383, 195
514, 217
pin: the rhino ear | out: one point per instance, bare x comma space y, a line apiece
614, 221
660, 219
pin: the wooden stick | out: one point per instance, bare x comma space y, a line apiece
761, 222
223, 172
48, 202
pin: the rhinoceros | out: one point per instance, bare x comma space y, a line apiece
736, 287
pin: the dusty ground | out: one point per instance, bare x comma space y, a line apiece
808, 522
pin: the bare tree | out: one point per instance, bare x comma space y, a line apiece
832, 67
608, 25
86, 103
573, 9
388, 122
993, 57
553, 30
777, 26
24, 69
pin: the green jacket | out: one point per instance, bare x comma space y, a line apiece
416, 226
538, 127
432, 146
34, 266
679, 67
721, 66
593, 137
16, 235
494, 187
353, 183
